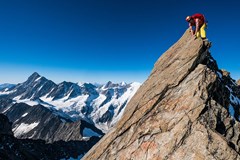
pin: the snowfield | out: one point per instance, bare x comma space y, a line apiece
24, 128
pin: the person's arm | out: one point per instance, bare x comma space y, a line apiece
190, 28
197, 26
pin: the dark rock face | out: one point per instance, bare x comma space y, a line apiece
186, 109
21, 149
5, 125
108, 115
38, 122
5, 103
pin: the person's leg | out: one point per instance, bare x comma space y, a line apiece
203, 36
202, 31
198, 34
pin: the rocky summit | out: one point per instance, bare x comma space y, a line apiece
186, 109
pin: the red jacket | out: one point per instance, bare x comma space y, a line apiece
200, 17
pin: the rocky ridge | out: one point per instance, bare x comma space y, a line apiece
186, 109
21, 149
38, 122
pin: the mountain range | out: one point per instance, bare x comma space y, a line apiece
99, 105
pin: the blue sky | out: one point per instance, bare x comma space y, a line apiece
102, 40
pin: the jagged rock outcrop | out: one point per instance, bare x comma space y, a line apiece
186, 109
238, 82
225, 73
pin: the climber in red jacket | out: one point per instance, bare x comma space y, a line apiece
197, 20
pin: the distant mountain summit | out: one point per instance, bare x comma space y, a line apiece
35, 87
186, 109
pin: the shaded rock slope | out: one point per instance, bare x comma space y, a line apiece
186, 109
21, 149
38, 122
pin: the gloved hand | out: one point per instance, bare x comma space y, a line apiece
194, 36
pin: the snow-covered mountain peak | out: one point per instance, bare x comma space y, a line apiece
123, 83
108, 85
112, 85
34, 76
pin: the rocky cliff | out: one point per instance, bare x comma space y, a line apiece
186, 109
5, 126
